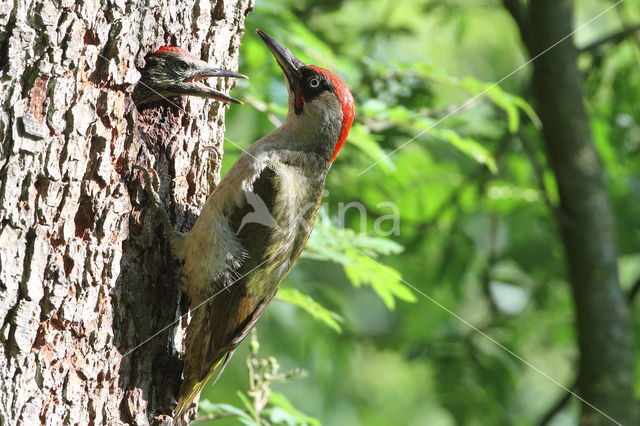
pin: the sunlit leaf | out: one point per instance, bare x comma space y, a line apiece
469, 147
366, 142
285, 413
316, 310
247, 404
528, 109
207, 407
385, 282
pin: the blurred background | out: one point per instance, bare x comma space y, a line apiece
464, 212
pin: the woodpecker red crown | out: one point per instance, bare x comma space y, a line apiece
348, 106
175, 49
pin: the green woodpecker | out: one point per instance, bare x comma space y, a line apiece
172, 71
256, 222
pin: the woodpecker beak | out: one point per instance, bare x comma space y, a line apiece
290, 65
199, 89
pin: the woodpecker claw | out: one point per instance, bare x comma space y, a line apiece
151, 182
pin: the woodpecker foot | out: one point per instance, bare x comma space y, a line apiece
156, 211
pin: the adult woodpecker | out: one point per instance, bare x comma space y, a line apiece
256, 222
171, 71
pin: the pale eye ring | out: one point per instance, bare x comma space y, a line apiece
314, 82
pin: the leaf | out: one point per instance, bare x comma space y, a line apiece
316, 310
504, 101
386, 284
279, 416
499, 97
345, 247
384, 246
329, 242
207, 407
528, 109
374, 107
366, 143
247, 404
469, 147
400, 114
279, 401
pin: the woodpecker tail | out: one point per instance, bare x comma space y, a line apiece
191, 387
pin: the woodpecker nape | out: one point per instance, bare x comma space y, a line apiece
256, 222
171, 71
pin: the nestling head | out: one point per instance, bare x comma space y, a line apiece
172, 71
317, 97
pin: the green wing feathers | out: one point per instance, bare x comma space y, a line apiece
220, 325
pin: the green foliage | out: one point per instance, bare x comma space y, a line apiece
462, 161
361, 270
283, 412
368, 143
212, 411
316, 310
354, 251
260, 405
469, 147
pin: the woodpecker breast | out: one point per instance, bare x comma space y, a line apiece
222, 240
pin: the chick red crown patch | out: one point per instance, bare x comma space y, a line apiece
175, 49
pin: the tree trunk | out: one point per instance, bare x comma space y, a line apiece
77, 293
585, 217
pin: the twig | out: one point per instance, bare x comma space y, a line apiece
537, 169
614, 38
558, 406
633, 292
627, 19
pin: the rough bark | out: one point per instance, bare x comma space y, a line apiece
585, 217
76, 292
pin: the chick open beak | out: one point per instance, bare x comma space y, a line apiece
208, 92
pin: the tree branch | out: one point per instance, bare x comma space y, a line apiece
614, 38
558, 406
631, 295
538, 170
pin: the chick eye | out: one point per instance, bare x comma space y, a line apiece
314, 82
182, 65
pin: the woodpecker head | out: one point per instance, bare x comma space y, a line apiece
318, 99
172, 71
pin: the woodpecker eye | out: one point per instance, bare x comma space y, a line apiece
314, 82
182, 66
